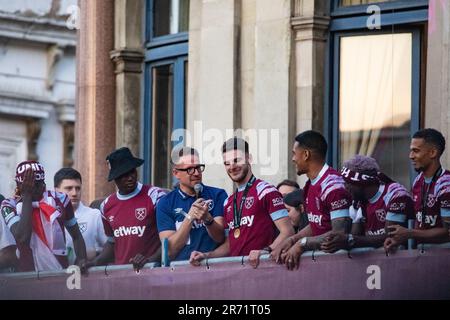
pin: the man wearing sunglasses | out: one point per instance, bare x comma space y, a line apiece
191, 216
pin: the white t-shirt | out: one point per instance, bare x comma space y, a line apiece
91, 228
6, 237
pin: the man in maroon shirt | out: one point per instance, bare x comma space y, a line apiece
253, 214
129, 216
327, 201
431, 193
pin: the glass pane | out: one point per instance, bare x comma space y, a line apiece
344, 3
170, 17
162, 111
375, 100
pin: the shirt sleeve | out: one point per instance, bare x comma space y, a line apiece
219, 201
338, 202
9, 214
164, 219
106, 226
273, 202
6, 237
444, 199
399, 208
100, 237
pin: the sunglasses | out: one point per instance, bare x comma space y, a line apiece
190, 171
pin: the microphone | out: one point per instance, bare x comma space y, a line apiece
198, 188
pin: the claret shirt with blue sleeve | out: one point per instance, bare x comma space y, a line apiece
172, 210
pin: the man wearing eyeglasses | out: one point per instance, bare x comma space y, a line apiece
191, 216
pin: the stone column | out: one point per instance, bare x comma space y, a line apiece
128, 57
213, 80
437, 104
272, 90
95, 105
310, 23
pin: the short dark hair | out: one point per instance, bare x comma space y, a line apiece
179, 152
314, 141
235, 143
431, 136
289, 183
66, 173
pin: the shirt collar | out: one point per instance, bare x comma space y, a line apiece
130, 195
184, 195
378, 194
320, 175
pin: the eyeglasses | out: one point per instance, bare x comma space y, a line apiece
190, 171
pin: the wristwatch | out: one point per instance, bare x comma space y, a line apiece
350, 240
303, 242
208, 222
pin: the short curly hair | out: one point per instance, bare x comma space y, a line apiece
363, 164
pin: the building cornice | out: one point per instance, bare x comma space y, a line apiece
37, 29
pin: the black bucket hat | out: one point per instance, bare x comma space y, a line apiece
121, 161
294, 198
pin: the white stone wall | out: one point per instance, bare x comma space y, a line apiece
239, 60
37, 76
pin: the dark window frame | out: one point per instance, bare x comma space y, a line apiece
163, 50
400, 16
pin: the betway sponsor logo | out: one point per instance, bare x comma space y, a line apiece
431, 220
245, 221
315, 218
127, 231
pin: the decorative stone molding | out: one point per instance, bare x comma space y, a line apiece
54, 54
38, 29
311, 28
22, 106
69, 137
127, 60
66, 111
33, 132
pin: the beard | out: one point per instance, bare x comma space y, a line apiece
419, 169
242, 175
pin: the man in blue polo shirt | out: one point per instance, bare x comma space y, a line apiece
191, 216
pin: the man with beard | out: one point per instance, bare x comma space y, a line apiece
378, 202
431, 193
327, 201
252, 214
191, 216
129, 216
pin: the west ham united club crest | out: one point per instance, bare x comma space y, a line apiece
381, 215
431, 201
140, 213
249, 202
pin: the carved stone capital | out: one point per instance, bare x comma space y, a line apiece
310, 28
127, 60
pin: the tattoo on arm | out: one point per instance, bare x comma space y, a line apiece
342, 225
314, 243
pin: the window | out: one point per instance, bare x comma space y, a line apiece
376, 88
170, 17
344, 3
165, 85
